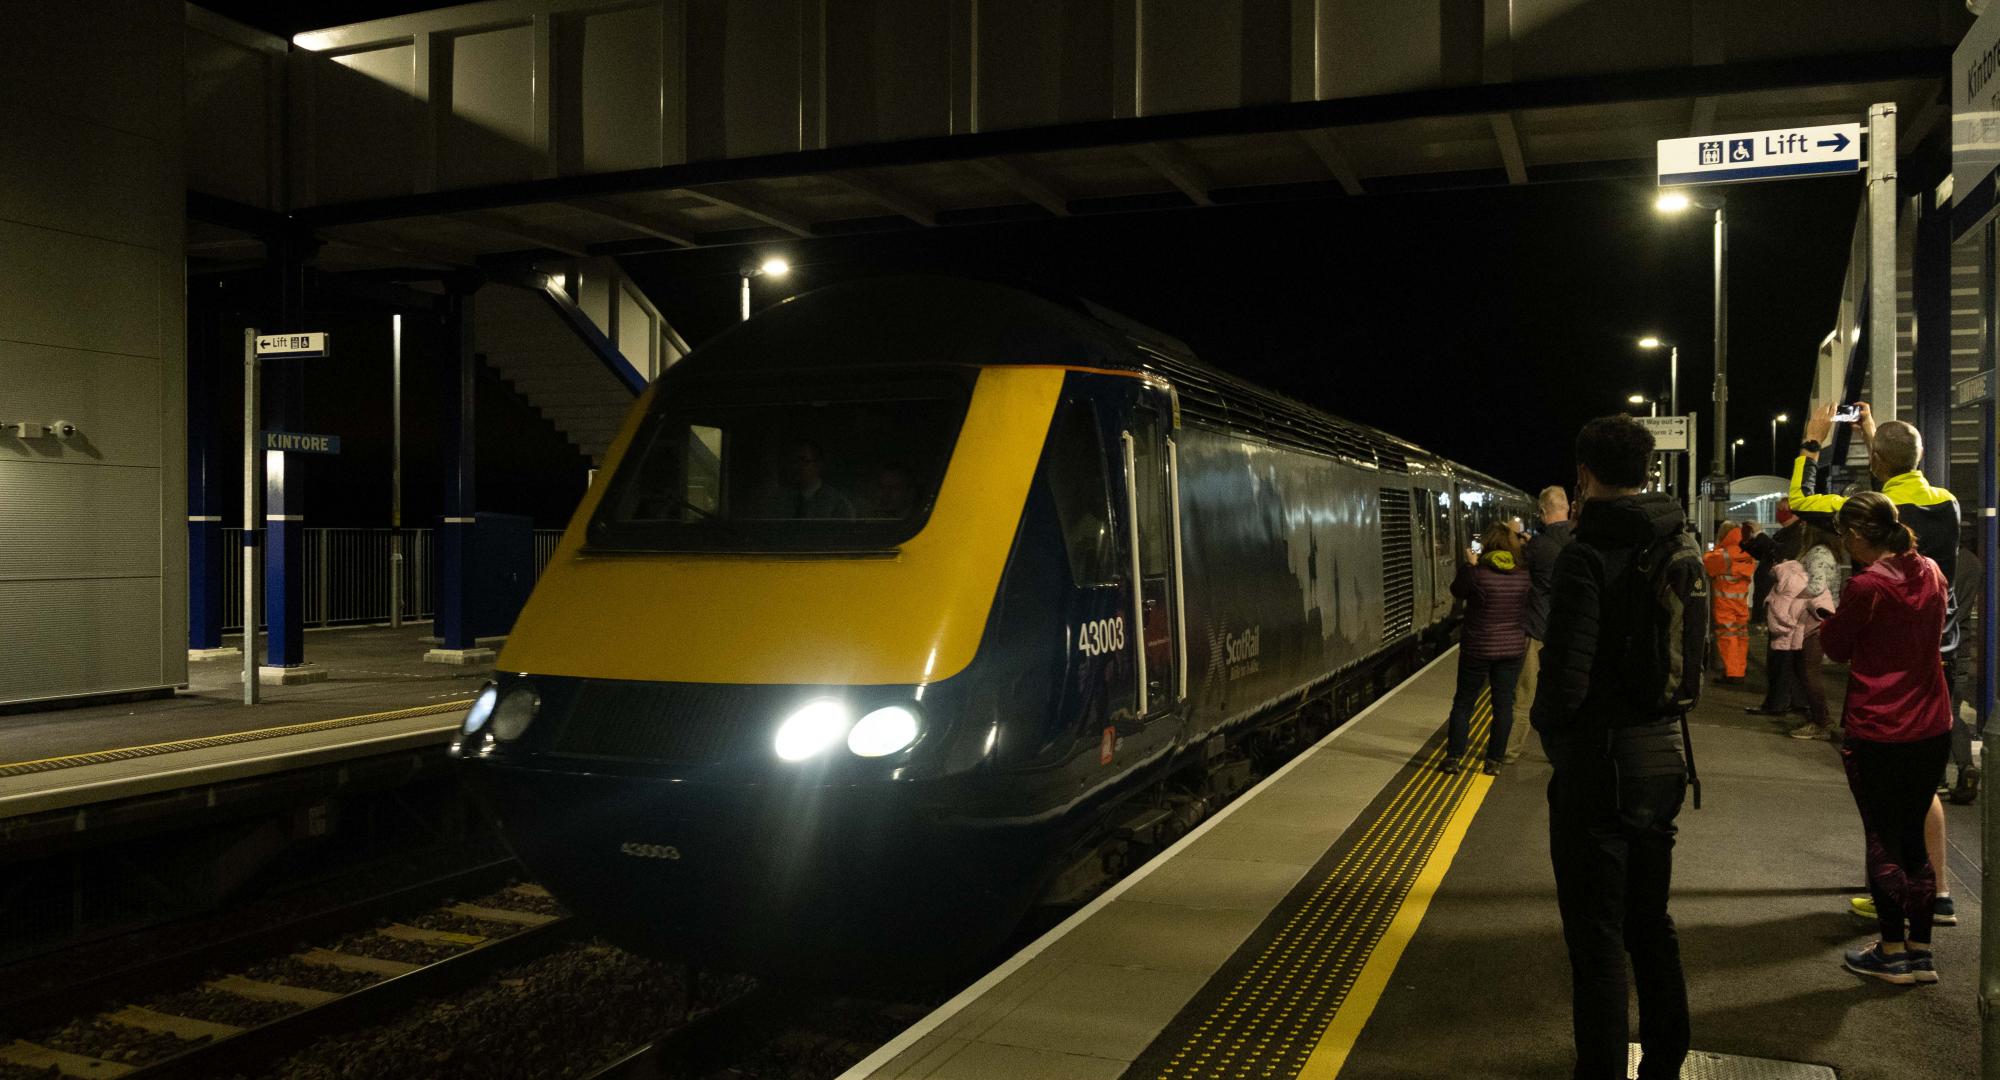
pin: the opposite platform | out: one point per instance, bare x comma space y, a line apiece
380, 698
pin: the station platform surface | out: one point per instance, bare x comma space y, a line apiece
1359, 914
379, 695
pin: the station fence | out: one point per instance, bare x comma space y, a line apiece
347, 575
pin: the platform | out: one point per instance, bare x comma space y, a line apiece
1359, 915
379, 697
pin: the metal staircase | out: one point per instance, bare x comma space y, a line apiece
554, 336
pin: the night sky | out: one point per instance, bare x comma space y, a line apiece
1487, 325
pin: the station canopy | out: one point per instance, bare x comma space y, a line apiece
513, 131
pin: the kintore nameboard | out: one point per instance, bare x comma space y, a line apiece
293, 442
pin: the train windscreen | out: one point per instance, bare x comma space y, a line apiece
813, 463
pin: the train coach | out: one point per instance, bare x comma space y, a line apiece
911, 604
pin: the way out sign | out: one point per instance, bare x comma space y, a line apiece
314, 344
1669, 432
1778, 154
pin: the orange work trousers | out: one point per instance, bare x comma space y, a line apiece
1732, 640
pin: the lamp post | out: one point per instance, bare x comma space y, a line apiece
1673, 371
1733, 447
1652, 404
1781, 418
767, 268
1673, 202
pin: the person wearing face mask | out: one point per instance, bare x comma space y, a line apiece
1897, 720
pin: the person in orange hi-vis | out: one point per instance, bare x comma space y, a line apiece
1730, 570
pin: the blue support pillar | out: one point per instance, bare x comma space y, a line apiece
207, 469
456, 624
284, 519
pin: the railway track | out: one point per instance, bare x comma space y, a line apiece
231, 1006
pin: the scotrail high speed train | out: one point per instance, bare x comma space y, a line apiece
912, 603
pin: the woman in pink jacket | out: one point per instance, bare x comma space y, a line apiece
1898, 725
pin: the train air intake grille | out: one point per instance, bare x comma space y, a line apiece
667, 723
1398, 570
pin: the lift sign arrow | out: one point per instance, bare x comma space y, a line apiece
1838, 142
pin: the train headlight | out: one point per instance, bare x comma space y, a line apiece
812, 729
883, 732
516, 710
481, 711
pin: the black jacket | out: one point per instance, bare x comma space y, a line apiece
1541, 554
1930, 512
1575, 708
1763, 548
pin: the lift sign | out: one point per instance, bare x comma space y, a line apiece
304, 345
1778, 154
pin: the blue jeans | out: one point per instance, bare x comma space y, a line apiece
1473, 673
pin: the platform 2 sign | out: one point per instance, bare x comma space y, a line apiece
1669, 432
294, 442
1778, 154
280, 346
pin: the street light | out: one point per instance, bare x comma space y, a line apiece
1781, 418
772, 267
1673, 202
1732, 458
1673, 370
1641, 399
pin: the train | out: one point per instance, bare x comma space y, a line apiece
914, 605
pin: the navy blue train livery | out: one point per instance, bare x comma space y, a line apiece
914, 603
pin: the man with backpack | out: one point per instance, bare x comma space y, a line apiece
1621, 667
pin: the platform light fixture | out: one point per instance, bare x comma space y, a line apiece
1781, 418
771, 267
1733, 447
1675, 202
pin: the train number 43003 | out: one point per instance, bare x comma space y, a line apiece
1101, 636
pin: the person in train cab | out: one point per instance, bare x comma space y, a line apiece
1898, 723
801, 491
893, 495
1540, 554
1621, 665
1494, 586
1895, 455
1729, 570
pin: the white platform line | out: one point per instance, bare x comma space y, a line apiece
918, 1031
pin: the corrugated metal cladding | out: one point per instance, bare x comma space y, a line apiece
93, 542
1399, 582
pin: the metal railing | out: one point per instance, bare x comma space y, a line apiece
347, 575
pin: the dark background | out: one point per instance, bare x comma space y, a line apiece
1485, 324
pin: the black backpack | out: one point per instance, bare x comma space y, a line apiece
1665, 650
1666, 641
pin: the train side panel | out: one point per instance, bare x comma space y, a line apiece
1283, 552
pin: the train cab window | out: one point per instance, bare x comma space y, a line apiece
800, 464
1082, 496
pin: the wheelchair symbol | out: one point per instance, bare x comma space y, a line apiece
1740, 151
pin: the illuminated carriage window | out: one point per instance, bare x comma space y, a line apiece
806, 463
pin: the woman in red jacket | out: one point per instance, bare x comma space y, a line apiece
1898, 723
1494, 644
